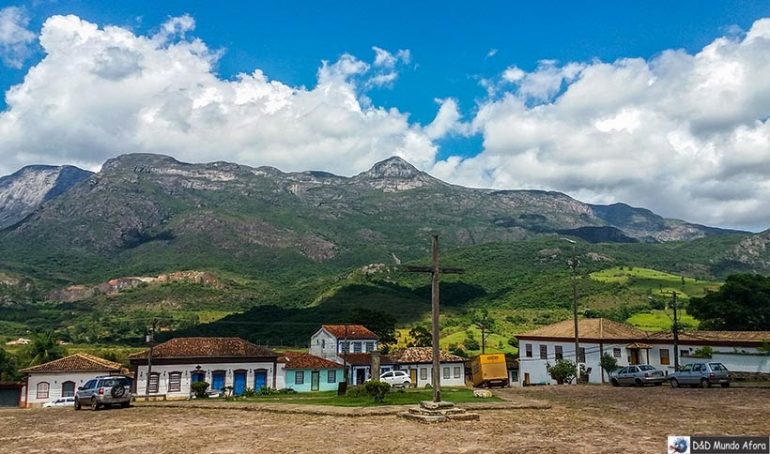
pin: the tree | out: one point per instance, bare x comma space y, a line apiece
563, 371
486, 324
471, 343
609, 363
742, 303
8, 367
44, 348
421, 337
381, 323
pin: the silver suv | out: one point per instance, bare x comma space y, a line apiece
104, 391
701, 374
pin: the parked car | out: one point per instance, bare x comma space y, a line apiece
396, 378
104, 391
60, 402
702, 374
639, 375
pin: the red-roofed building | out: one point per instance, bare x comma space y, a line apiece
220, 361
61, 377
333, 341
303, 372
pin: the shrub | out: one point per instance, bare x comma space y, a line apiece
287, 391
199, 388
355, 391
563, 371
609, 363
268, 391
249, 392
471, 343
377, 390
703, 352
513, 342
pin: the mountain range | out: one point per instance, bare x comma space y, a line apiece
292, 240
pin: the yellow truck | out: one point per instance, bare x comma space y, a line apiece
489, 370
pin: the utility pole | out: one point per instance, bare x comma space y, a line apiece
150, 340
675, 329
573, 266
435, 270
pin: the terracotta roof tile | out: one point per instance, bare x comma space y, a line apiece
308, 361
365, 359
79, 362
350, 331
206, 347
749, 337
414, 355
588, 329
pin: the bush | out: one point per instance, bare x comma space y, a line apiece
200, 388
471, 343
563, 371
287, 391
609, 363
703, 352
355, 391
267, 391
377, 390
513, 342
249, 392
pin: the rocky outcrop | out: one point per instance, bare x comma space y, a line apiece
117, 285
24, 191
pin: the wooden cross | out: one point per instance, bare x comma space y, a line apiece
435, 270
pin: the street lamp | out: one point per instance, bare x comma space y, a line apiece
573, 263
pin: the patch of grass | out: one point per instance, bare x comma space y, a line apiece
661, 320
654, 282
407, 397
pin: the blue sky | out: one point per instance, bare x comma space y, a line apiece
508, 77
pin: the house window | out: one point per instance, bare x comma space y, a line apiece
582, 355
153, 383
543, 351
68, 389
616, 352
458, 371
323, 343
42, 390
174, 382
299, 377
424, 373
345, 347
528, 350
447, 373
369, 347
559, 352
332, 376
685, 353
356, 347
664, 358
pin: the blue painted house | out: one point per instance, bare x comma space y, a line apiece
305, 373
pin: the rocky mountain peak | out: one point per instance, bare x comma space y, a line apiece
133, 161
395, 174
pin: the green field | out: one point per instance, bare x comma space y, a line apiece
654, 282
398, 397
654, 321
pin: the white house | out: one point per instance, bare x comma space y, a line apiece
737, 350
62, 377
219, 361
331, 341
418, 361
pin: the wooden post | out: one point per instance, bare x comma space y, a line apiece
435, 270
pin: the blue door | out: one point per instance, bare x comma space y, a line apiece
260, 379
239, 382
217, 381
198, 376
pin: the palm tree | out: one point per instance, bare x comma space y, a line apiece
44, 348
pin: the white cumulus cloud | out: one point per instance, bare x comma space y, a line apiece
103, 91
686, 135
15, 38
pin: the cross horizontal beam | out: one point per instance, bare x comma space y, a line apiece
429, 269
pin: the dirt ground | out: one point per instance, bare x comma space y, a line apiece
582, 419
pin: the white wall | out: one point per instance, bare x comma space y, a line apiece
428, 370
538, 375
323, 345
188, 369
55, 381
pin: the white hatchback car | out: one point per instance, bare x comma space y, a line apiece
396, 378
61, 402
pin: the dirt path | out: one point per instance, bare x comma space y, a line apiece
585, 419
